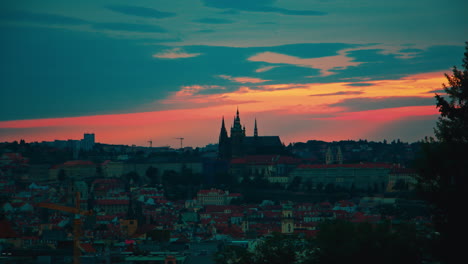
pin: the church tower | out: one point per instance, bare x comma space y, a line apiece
255, 129
237, 137
329, 159
287, 220
339, 155
224, 148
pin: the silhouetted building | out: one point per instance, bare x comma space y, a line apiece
239, 144
334, 155
88, 141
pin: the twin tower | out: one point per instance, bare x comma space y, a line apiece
239, 145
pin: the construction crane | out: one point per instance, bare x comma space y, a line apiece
181, 141
76, 222
151, 143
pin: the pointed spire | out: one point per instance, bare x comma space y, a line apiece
255, 129
223, 132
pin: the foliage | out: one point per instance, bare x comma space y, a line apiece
443, 164
280, 249
277, 249
152, 174
61, 176
345, 242
233, 255
338, 242
452, 125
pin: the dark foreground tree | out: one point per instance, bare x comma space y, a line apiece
345, 242
452, 126
338, 242
443, 165
276, 249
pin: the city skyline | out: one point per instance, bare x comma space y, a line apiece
161, 70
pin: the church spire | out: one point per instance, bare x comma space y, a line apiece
223, 144
223, 133
255, 129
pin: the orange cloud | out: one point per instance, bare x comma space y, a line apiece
325, 64
176, 53
292, 113
386, 114
243, 79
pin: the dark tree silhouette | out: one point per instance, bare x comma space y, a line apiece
452, 125
61, 175
443, 165
152, 174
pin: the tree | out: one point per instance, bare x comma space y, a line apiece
295, 183
233, 254
61, 175
340, 241
278, 248
443, 165
400, 185
152, 174
452, 125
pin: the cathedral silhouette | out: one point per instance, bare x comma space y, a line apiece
239, 145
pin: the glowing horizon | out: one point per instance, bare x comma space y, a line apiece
302, 103
160, 70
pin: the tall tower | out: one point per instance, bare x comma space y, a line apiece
329, 159
224, 148
287, 220
255, 129
339, 155
237, 137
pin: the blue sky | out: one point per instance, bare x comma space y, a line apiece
66, 59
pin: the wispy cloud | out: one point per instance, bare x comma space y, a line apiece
366, 103
438, 91
205, 31
325, 64
140, 11
214, 21
242, 79
266, 68
360, 84
195, 89
53, 19
175, 53
339, 93
386, 114
145, 28
265, 6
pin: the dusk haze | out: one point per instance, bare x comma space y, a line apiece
158, 70
233, 131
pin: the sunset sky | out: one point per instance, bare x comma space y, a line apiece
134, 71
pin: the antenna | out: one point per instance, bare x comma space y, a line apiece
181, 141
151, 143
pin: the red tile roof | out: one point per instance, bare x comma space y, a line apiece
78, 163
112, 202
211, 192
356, 166
403, 171
7, 230
87, 248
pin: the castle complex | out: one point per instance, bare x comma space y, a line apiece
239, 144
